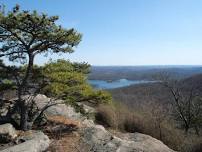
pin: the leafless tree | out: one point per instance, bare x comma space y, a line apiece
186, 103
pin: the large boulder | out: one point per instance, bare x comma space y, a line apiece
33, 141
7, 133
141, 142
61, 109
100, 140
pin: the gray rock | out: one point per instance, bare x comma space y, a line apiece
7, 133
141, 142
59, 109
88, 123
96, 137
86, 108
34, 142
101, 140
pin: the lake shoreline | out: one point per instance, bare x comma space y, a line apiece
113, 84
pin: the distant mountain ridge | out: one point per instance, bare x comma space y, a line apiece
141, 72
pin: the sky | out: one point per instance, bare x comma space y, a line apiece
128, 32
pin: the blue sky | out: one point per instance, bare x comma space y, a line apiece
128, 32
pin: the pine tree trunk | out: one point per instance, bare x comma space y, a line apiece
24, 117
186, 130
23, 105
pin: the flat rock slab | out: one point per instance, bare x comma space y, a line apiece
7, 133
100, 140
35, 141
57, 110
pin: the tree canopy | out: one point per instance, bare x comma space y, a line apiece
23, 36
25, 33
69, 81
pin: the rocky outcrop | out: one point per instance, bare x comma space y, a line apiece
100, 140
33, 141
61, 109
95, 137
7, 133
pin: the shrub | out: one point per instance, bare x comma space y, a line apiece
192, 143
106, 116
118, 116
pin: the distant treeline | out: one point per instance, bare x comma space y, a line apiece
141, 72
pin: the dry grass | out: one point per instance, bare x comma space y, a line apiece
63, 120
121, 118
67, 143
63, 135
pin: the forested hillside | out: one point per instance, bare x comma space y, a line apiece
141, 72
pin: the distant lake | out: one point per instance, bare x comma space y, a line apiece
102, 84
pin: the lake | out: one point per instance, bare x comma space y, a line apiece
102, 84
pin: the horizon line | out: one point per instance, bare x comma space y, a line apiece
152, 65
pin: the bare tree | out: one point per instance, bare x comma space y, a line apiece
159, 114
186, 103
